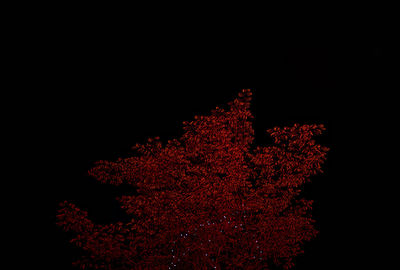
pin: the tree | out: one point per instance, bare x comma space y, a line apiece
208, 200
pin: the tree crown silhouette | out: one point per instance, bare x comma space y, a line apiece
207, 200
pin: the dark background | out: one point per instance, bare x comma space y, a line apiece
108, 93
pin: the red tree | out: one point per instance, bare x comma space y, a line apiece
206, 200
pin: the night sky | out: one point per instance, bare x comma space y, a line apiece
109, 96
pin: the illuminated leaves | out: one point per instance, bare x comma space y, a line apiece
205, 200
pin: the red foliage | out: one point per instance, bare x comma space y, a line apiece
207, 200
